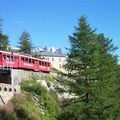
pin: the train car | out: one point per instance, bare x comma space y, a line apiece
12, 60
45, 66
8, 60
27, 62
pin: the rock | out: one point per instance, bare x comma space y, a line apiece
43, 83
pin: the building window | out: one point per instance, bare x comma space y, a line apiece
52, 59
59, 59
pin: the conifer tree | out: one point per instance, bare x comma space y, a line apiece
25, 43
4, 42
106, 76
91, 74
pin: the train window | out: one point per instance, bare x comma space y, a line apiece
48, 64
15, 58
43, 63
26, 60
8, 57
4, 56
33, 61
12, 58
39, 62
22, 59
29, 60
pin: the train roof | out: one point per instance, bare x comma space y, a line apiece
23, 55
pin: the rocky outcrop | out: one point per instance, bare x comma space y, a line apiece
58, 88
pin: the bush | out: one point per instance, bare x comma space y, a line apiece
33, 87
4, 115
21, 113
50, 107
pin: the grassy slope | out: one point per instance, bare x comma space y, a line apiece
26, 108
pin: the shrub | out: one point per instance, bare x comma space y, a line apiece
4, 115
50, 106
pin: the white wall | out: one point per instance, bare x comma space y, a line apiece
57, 62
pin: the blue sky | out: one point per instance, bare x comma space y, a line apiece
49, 22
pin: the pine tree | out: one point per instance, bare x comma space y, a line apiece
4, 42
107, 76
116, 107
25, 43
90, 67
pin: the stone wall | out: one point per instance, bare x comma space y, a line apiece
7, 92
18, 75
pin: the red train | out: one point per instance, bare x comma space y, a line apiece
13, 60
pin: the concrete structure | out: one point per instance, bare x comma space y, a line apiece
18, 75
10, 79
7, 92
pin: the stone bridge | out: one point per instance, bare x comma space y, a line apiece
7, 91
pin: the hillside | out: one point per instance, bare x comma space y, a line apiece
34, 103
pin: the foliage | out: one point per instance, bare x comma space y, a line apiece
36, 54
4, 115
25, 43
48, 78
50, 106
71, 112
91, 70
26, 109
54, 70
4, 42
21, 113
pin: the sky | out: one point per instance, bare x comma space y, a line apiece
49, 22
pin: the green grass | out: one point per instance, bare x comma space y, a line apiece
5, 115
27, 108
47, 78
54, 70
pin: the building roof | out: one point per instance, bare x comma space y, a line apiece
51, 54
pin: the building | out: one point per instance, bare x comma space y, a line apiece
57, 58
14, 49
